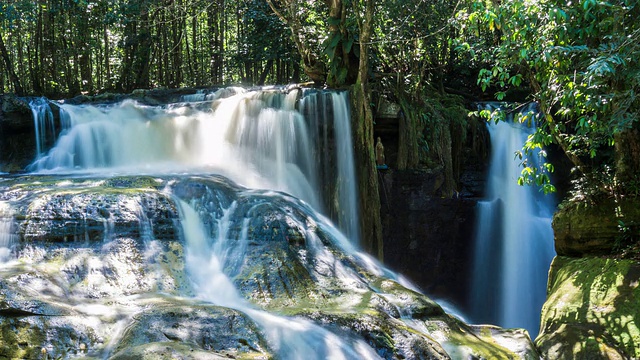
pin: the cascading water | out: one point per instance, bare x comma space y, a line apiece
137, 241
43, 123
315, 106
7, 235
514, 238
256, 138
211, 262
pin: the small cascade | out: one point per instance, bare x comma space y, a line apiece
213, 256
43, 123
338, 155
514, 238
198, 96
203, 95
7, 233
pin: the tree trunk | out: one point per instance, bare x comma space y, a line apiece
107, 60
408, 154
15, 81
370, 225
313, 67
265, 72
627, 150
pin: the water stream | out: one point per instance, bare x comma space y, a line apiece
212, 261
7, 233
514, 239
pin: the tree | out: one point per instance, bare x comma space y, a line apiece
364, 142
580, 62
9, 68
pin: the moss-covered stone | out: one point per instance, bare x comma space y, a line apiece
202, 328
594, 229
592, 310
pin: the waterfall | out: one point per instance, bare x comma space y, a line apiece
7, 233
267, 139
514, 239
43, 123
317, 108
211, 260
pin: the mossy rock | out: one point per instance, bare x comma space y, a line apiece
207, 330
594, 229
591, 310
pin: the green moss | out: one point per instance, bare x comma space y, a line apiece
470, 346
20, 340
138, 182
592, 306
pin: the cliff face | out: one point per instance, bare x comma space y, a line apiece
427, 237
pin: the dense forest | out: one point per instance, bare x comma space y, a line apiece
66, 47
578, 60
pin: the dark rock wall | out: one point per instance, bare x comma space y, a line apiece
17, 142
427, 237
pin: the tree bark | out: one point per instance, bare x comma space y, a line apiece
408, 154
15, 81
367, 173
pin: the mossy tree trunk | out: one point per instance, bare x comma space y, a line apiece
408, 151
627, 150
367, 172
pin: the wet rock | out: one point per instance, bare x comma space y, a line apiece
119, 288
15, 113
591, 310
48, 213
211, 330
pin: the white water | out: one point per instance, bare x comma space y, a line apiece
7, 233
258, 139
514, 240
290, 337
316, 105
43, 123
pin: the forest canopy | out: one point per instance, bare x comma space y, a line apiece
578, 60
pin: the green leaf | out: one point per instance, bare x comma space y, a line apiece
346, 45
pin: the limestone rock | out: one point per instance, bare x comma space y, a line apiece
591, 310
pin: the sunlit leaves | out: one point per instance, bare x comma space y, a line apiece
580, 59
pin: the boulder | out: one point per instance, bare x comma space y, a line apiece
17, 139
595, 229
591, 310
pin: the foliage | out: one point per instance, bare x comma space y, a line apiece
580, 61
